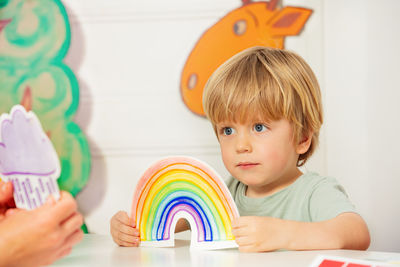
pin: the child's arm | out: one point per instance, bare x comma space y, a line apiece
346, 231
124, 232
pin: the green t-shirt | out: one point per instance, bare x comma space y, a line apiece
310, 198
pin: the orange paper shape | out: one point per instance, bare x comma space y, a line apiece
253, 24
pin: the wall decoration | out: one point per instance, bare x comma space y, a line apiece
253, 24
183, 187
34, 39
27, 159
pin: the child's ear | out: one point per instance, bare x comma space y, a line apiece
304, 144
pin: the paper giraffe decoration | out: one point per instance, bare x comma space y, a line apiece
34, 39
253, 24
183, 187
27, 158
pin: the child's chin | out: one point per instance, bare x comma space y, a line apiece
252, 183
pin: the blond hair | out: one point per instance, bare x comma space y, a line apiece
268, 83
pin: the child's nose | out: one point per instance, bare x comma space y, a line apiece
243, 144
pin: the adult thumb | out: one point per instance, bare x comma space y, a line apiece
6, 192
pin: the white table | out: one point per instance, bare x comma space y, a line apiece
100, 250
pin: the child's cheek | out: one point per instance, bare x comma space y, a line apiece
227, 155
277, 159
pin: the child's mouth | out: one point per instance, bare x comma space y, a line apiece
246, 165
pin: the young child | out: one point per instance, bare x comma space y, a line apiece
265, 108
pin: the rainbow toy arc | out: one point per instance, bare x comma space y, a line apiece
183, 187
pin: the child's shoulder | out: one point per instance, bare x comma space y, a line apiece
314, 178
326, 198
316, 182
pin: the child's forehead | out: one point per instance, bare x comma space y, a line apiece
249, 119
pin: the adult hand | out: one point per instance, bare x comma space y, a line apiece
41, 236
123, 230
6, 198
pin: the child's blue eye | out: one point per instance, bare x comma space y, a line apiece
260, 127
228, 131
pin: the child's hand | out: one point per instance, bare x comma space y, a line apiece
256, 234
123, 230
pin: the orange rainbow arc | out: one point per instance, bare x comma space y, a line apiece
183, 187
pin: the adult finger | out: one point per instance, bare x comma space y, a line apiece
64, 208
74, 238
64, 253
12, 211
61, 253
11, 203
73, 223
6, 192
70, 241
58, 255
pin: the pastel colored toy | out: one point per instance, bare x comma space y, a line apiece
184, 187
27, 158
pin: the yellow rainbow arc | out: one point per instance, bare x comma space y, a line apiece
177, 185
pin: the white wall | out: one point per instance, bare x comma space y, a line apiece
362, 58
128, 56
